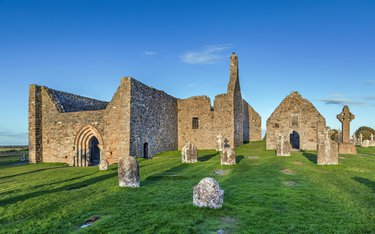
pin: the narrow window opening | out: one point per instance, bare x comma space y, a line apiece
195, 123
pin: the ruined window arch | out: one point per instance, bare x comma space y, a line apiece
84, 143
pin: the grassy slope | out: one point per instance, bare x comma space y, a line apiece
258, 196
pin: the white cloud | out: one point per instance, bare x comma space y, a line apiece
150, 53
208, 55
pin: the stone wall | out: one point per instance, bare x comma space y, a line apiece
52, 132
61, 124
255, 123
153, 120
252, 124
295, 114
196, 107
117, 123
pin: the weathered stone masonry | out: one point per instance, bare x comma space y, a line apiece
139, 121
296, 114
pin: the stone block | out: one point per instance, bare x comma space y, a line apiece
128, 172
208, 194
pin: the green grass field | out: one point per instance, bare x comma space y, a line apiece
263, 194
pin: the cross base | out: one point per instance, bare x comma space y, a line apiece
347, 148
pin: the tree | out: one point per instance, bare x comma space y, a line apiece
366, 132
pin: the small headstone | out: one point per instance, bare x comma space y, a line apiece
282, 147
360, 138
372, 137
219, 143
189, 153
128, 172
208, 194
365, 143
328, 151
228, 157
103, 165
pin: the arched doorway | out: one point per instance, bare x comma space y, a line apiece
294, 140
88, 145
145, 150
94, 152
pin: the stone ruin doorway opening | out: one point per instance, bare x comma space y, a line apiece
94, 151
145, 150
294, 140
88, 147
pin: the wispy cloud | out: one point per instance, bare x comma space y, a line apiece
150, 53
370, 82
341, 101
208, 55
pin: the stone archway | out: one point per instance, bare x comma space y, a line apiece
88, 141
294, 139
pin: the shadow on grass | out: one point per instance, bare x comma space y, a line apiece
206, 157
74, 186
170, 174
367, 182
310, 156
30, 172
239, 158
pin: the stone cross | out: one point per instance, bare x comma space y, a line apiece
345, 117
360, 138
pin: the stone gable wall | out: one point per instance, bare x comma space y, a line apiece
196, 107
117, 123
310, 122
153, 120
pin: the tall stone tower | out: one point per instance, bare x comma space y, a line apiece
234, 92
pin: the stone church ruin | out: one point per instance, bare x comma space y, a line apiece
298, 121
139, 121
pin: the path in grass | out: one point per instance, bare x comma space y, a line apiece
263, 194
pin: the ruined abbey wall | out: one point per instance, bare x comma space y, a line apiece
255, 124
196, 107
139, 121
153, 121
295, 114
51, 132
116, 121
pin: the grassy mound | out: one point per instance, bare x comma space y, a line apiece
263, 194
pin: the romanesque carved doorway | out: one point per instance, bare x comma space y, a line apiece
145, 150
88, 145
94, 152
294, 140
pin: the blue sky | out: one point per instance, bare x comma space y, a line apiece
323, 49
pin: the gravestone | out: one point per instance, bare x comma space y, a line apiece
189, 153
327, 151
360, 139
228, 156
103, 165
283, 146
219, 143
128, 172
366, 143
372, 137
345, 117
208, 194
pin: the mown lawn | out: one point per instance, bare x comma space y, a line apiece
263, 194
